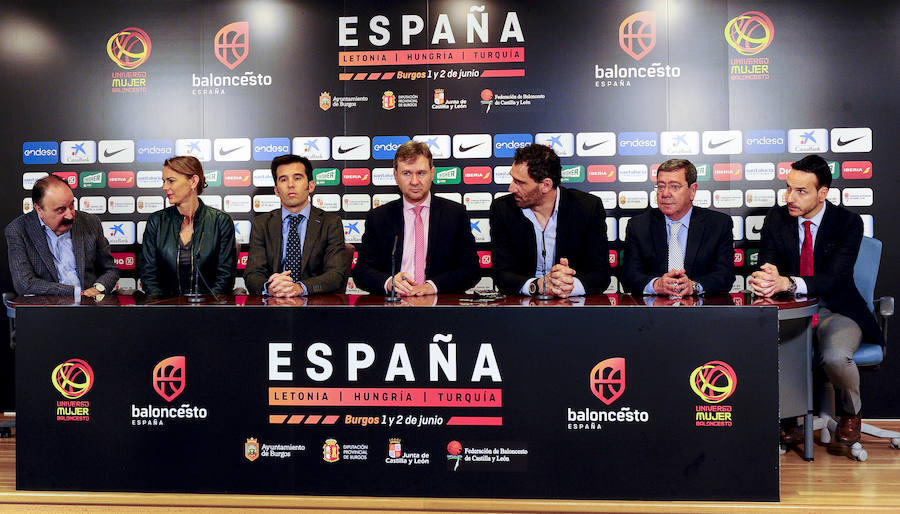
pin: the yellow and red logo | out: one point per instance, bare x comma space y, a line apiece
388, 100
170, 377
608, 379
714, 381
73, 378
129, 48
637, 34
750, 33
251, 449
331, 451
232, 44
325, 101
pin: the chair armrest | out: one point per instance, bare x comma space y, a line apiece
885, 306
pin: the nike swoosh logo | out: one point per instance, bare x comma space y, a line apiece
107, 153
720, 143
586, 147
755, 230
223, 153
841, 142
341, 149
463, 149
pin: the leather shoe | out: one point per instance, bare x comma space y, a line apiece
848, 430
790, 435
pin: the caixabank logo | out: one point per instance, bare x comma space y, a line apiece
637, 39
749, 34
606, 382
231, 46
73, 379
169, 381
714, 382
129, 48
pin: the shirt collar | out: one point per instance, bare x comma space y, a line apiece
817, 219
685, 220
305, 212
426, 203
52, 233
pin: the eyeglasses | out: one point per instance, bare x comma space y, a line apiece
673, 187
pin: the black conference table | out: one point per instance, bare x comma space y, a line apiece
603, 397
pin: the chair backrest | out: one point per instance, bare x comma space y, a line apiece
865, 271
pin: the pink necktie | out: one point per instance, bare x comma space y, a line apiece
419, 255
806, 252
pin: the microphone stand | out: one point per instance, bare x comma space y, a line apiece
392, 298
194, 295
542, 294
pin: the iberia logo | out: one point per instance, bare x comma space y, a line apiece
73, 378
251, 449
750, 33
232, 44
169, 377
637, 34
608, 379
714, 381
331, 451
129, 48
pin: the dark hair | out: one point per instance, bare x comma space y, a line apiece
410, 150
290, 158
817, 165
542, 163
690, 171
41, 186
189, 167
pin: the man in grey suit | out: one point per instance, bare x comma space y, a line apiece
298, 249
56, 250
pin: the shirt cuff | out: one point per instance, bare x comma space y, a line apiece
305, 289
387, 285
432, 285
577, 289
699, 288
648, 289
801, 285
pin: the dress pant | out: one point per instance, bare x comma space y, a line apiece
837, 339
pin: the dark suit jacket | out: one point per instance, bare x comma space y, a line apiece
323, 265
836, 247
708, 258
580, 237
451, 262
31, 263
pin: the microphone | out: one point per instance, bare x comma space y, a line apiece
393, 296
542, 294
194, 295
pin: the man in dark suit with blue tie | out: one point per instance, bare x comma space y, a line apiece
298, 249
56, 250
809, 247
678, 249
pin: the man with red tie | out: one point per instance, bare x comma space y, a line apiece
429, 238
809, 247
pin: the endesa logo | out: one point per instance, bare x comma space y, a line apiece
856, 169
355, 176
237, 178
384, 147
120, 179
505, 145
750, 33
40, 152
764, 141
169, 377
728, 171
129, 48
714, 382
267, 148
637, 34
73, 378
154, 150
638, 143
608, 379
232, 44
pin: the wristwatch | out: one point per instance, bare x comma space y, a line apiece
100, 287
533, 288
792, 288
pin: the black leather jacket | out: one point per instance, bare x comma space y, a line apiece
213, 246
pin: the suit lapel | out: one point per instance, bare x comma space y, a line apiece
313, 229
823, 234
696, 236
434, 224
659, 241
39, 239
78, 238
791, 237
273, 234
563, 227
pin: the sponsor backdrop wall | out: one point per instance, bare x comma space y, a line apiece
102, 93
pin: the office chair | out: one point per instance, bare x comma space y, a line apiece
7, 426
870, 355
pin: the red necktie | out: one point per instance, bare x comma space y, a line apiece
419, 246
806, 252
